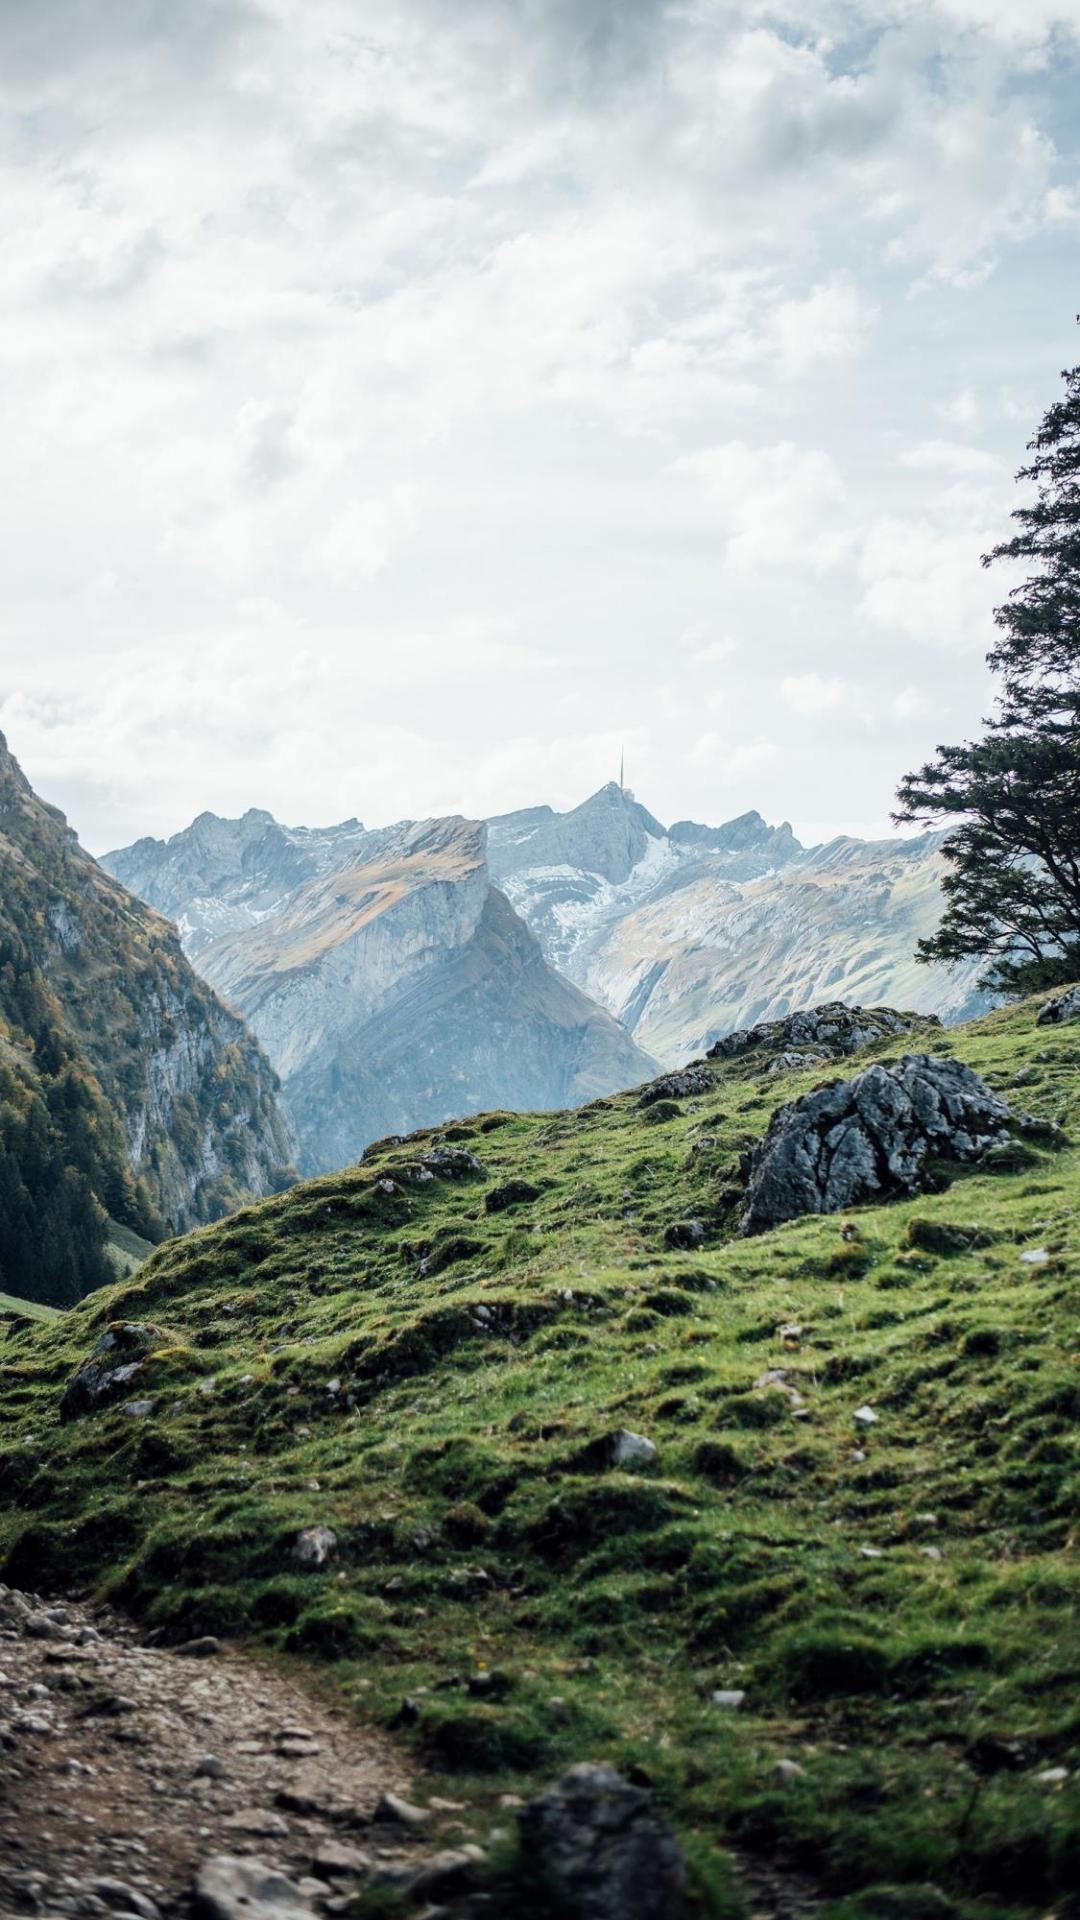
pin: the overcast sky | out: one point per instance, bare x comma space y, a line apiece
405, 403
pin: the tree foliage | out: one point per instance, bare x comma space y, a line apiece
1013, 885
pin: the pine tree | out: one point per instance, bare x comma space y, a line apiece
1013, 888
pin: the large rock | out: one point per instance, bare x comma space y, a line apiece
863, 1139
227, 1888
1056, 1012
605, 1848
117, 1361
829, 1032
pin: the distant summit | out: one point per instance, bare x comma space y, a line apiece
391, 983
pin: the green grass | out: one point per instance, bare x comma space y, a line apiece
510, 1609
27, 1309
126, 1250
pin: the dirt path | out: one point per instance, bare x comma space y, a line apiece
123, 1768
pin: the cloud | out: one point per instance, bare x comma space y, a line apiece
778, 505
925, 580
469, 355
728, 762
811, 694
949, 456
833, 322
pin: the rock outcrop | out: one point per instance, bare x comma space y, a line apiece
1064, 1008
391, 984
878, 1134
829, 1032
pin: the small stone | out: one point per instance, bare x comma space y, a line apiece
313, 1547
1052, 1776
334, 1861
210, 1768
258, 1821
392, 1810
787, 1772
865, 1417
631, 1449
124, 1899
446, 1874
930, 1553
871, 1553
728, 1696
1035, 1257
204, 1648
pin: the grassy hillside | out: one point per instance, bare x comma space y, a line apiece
423, 1365
26, 1310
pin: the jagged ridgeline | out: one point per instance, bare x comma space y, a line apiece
132, 1102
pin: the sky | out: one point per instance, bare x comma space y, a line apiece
409, 404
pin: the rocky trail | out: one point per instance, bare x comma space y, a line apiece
139, 1783
144, 1782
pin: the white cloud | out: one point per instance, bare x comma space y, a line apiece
949, 456
833, 322
813, 693
727, 762
778, 505
925, 580
962, 410
364, 536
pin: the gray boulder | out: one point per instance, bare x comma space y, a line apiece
453, 1163
1056, 1012
607, 1851
117, 1361
828, 1032
870, 1137
227, 1888
694, 1079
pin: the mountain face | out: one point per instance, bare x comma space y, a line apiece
698, 930
392, 985
126, 1087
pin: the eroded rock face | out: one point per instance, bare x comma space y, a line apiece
117, 1362
606, 1848
869, 1137
1056, 1012
828, 1032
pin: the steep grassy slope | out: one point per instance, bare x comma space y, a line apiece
423, 1365
127, 1088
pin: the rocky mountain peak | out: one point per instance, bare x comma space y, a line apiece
747, 833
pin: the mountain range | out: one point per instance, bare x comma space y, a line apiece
133, 1102
400, 976
390, 982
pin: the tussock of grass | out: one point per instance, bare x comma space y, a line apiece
424, 1370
